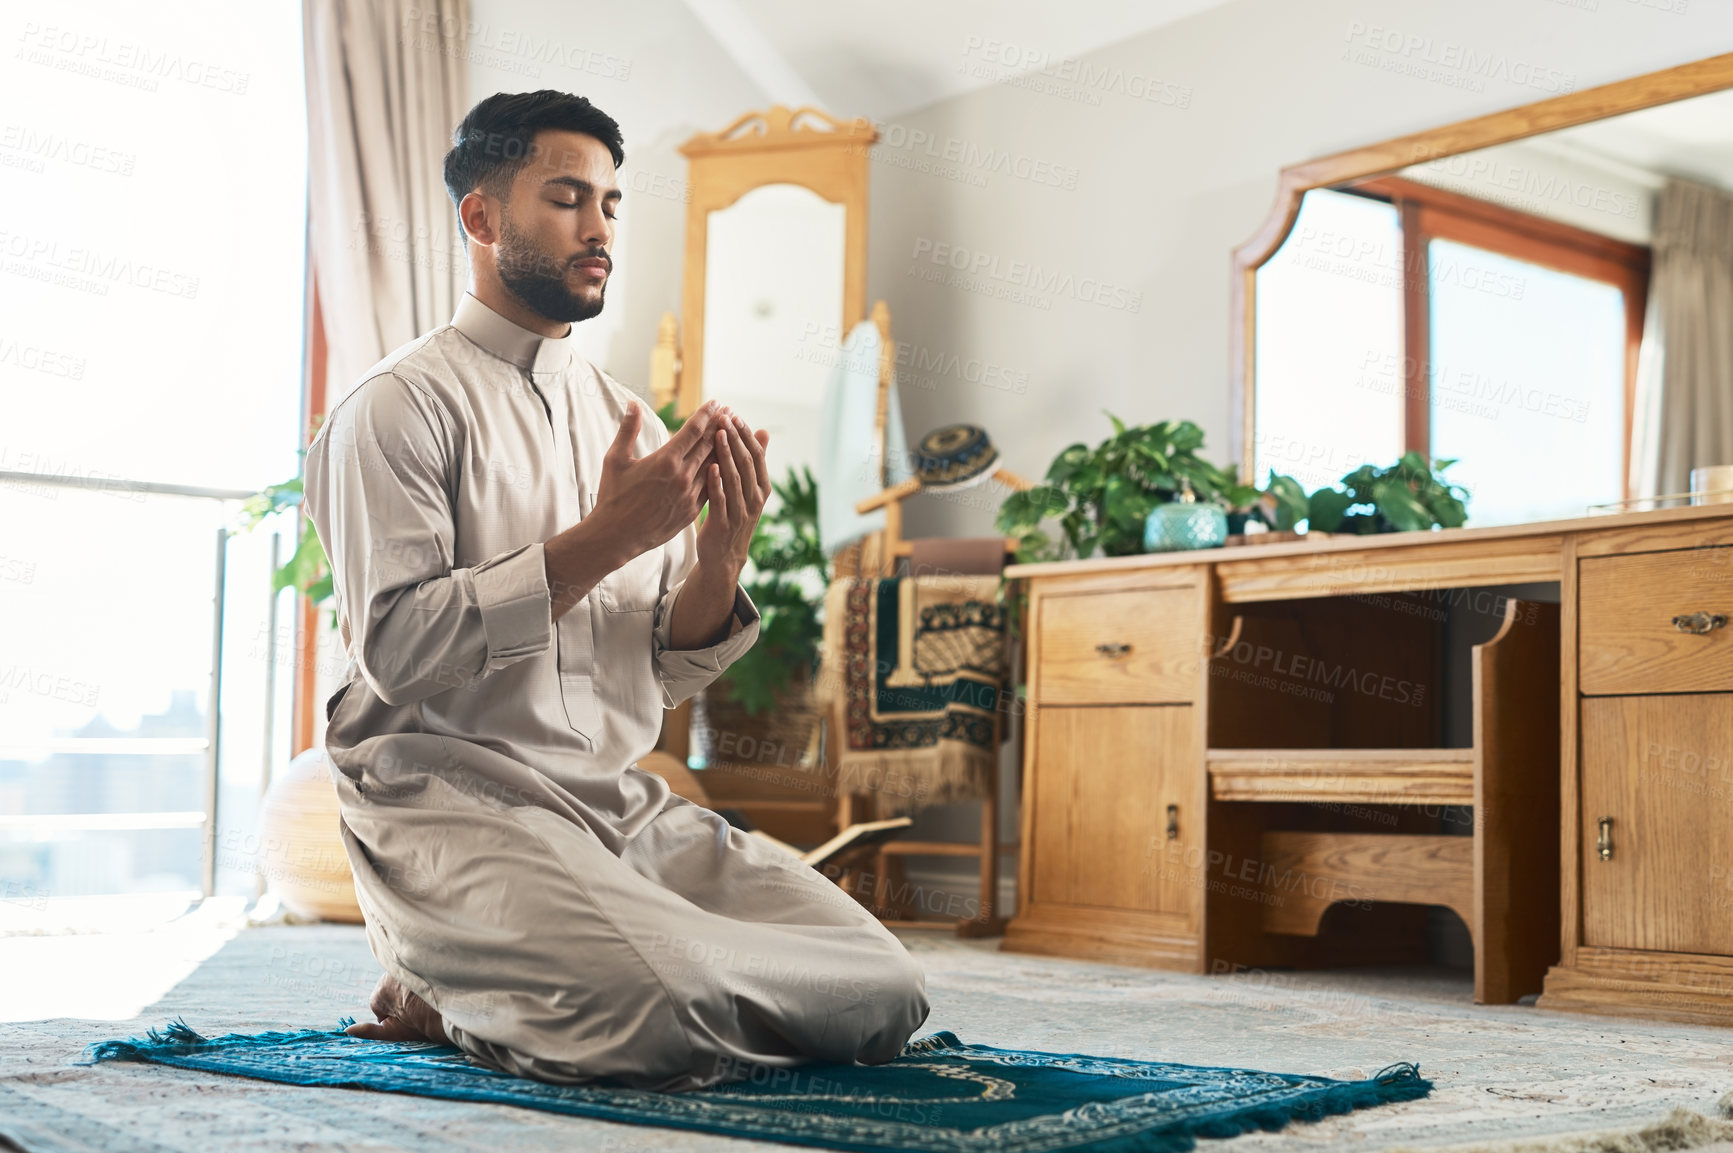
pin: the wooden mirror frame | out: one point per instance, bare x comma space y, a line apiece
779, 146
1648, 91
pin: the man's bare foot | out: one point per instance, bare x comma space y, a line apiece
402, 1016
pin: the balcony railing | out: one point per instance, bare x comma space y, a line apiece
210, 745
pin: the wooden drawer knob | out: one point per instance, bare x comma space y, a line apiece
1113, 649
1699, 624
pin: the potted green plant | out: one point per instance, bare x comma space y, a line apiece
1408, 496
757, 731
1102, 496
307, 571
787, 582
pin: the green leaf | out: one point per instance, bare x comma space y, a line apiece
671, 422
1359, 482
1117, 541
1125, 504
1088, 481
1187, 437
1450, 512
1026, 509
1035, 545
1069, 460
1396, 501
306, 570
1207, 481
1414, 463
1292, 506
1240, 496
1326, 508
269, 501
1080, 532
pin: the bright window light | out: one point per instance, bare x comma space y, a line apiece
153, 167
1528, 384
1329, 342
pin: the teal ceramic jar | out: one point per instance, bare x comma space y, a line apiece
1184, 523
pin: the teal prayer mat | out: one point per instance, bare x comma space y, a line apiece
939, 1096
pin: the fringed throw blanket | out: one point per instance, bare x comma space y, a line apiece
939, 1096
914, 666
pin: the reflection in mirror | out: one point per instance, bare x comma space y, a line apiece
1318, 329
773, 301
1511, 308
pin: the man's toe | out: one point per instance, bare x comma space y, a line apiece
389, 1029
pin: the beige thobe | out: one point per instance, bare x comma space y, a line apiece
568, 916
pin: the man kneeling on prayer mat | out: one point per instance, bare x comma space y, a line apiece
522, 593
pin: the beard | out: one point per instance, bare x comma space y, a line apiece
532, 274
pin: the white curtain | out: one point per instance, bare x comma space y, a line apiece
385, 89
1684, 402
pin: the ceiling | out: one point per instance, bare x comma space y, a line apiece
1691, 138
1601, 176
894, 56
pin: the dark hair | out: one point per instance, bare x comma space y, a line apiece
497, 138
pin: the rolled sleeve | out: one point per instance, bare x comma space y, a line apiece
511, 591
682, 672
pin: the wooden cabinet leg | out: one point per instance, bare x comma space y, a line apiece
1516, 804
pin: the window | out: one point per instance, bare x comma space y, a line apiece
1400, 316
153, 161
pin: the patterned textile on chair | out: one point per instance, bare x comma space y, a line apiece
912, 669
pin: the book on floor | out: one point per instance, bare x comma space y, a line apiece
857, 836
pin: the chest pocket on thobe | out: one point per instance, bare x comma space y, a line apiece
635, 586
577, 640
608, 633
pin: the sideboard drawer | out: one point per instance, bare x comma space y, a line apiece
1635, 613
1132, 646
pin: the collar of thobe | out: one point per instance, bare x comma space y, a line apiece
493, 332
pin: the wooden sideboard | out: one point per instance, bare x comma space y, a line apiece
1280, 755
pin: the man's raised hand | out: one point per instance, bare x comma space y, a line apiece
647, 500
737, 483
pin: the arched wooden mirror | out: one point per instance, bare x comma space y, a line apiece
775, 268
1482, 291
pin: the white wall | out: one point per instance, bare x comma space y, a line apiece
1074, 178
1163, 193
651, 66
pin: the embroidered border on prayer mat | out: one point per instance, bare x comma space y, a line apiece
939, 1096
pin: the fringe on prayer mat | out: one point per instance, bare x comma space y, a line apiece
939, 1096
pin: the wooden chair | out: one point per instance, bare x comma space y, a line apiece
882, 555
885, 888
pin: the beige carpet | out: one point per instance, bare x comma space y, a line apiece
1680, 1129
1503, 1075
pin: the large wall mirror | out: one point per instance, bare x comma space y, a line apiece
772, 290
1543, 295
775, 269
